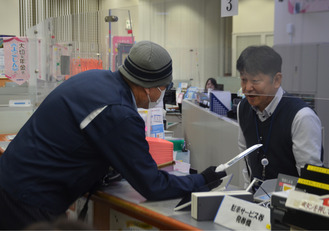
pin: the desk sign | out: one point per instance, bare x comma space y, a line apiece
229, 8
308, 202
238, 214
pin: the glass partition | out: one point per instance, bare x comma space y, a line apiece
53, 51
65, 46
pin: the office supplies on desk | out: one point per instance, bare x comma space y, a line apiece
265, 191
185, 203
205, 205
299, 210
10, 137
160, 149
220, 102
170, 163
314, 179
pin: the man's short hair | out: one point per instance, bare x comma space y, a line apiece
259, 59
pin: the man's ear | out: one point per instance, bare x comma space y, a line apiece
277, 79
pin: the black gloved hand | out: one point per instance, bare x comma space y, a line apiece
213, 179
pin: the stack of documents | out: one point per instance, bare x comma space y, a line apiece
160, 149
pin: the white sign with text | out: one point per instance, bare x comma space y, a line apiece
238, 214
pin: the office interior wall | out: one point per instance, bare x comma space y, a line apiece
310, 27
305, 64
117, 4
192, 30
197, 37
188, 29
254, 16
9, 17
34, 12
254, 25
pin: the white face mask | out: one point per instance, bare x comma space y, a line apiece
153, 104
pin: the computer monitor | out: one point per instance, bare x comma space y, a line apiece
219, 87
170, 97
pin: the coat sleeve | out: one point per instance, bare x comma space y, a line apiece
119, 135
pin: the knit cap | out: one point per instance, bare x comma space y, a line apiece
148, 65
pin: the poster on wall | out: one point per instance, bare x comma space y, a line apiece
16, 59
307, 6
2, 59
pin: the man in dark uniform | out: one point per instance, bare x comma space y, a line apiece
85, 125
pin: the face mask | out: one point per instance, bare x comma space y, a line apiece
153, 104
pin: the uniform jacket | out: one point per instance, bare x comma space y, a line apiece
85, 125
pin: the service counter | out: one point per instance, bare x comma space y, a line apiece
211, 139
119, 206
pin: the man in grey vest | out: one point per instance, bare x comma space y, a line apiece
289, 130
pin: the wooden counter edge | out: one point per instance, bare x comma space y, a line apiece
144, 214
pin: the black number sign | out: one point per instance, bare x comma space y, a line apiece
229, 6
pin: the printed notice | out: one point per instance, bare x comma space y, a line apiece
238, 214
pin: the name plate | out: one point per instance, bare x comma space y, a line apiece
238, 214
308, 202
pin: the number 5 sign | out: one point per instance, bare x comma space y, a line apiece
229, 8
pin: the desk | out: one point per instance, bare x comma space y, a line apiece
160, 214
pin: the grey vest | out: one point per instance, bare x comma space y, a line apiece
279, 150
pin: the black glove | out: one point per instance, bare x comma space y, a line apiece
110, 177
213, 179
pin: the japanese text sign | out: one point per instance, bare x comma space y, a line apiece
308, 202
16, 59
238, 214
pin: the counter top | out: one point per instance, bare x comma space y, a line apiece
161, 214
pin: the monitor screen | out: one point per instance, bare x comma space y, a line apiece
170, 97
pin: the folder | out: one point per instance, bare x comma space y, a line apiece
161, 150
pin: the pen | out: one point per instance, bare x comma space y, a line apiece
166, 164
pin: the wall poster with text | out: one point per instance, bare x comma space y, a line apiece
307, 6
16, 59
